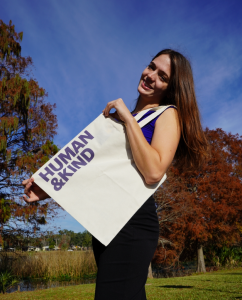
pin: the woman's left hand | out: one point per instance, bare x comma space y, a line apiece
121, 109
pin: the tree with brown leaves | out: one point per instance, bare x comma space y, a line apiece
27, 128
204, 207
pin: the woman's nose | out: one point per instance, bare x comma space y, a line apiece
151, 75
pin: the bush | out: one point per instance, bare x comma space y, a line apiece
7, 280
224, 256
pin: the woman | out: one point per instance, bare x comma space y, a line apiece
176, 134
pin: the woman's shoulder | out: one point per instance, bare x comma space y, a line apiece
170, 111
169, 116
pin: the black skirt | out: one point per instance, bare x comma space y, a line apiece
123, 264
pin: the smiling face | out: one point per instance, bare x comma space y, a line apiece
155, 78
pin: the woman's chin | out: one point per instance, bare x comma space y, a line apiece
144, 92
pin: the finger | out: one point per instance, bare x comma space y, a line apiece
109, 106
27, 193
105, 110
27, 188
26, 181
30, 200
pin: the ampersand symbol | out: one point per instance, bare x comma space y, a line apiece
57, 184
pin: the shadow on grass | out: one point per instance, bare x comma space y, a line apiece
176, 286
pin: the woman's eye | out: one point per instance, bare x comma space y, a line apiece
150, 67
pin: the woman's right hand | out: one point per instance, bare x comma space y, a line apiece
33, 191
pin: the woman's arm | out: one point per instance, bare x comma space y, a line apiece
151, 160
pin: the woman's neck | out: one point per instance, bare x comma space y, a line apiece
142, 105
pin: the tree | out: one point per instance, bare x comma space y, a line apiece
27, 128
82, 239
207, 203
64, 242
87, 239
172, 207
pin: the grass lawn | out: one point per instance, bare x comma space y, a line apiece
216, 285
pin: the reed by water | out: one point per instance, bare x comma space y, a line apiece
52, 264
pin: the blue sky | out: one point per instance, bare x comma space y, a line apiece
87, 53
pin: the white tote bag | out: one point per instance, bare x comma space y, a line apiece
94, 177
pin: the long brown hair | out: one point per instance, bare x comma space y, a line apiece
193, 147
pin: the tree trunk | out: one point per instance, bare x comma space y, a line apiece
200, 259
150, 275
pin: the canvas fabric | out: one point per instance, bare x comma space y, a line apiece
94, 177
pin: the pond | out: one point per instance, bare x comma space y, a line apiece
158, 272
184, 269
39, 284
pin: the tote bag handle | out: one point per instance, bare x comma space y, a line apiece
158, 110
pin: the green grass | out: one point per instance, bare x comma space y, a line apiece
217, 285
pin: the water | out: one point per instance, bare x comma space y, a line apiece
184, 270
40, 284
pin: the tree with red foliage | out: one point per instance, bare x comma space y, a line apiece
202, 208
27, 128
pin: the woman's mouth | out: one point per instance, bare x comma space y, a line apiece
146, 86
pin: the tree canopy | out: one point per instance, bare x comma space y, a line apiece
202, 208
27, 128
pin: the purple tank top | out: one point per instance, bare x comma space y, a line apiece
148, 129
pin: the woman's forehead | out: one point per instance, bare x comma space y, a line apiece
163, 62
